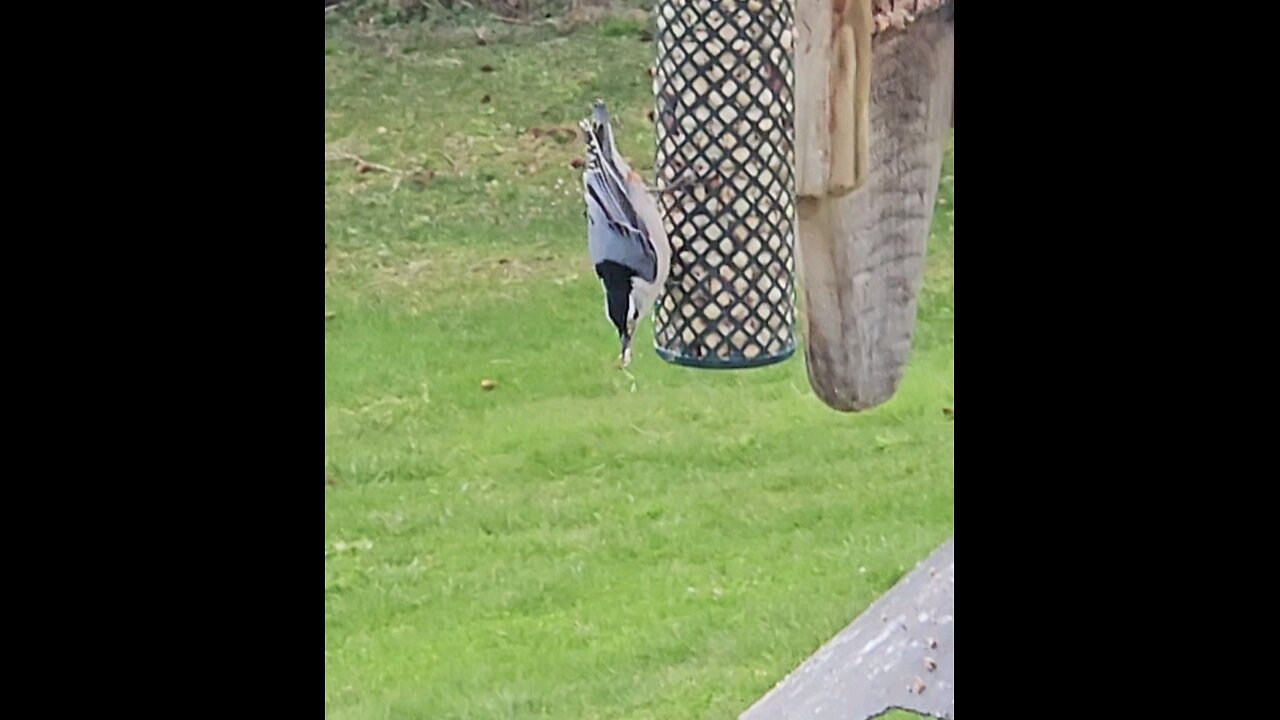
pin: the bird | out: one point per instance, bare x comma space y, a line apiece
626, 237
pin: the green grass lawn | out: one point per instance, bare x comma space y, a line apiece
570, 544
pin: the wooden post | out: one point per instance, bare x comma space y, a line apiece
862, 253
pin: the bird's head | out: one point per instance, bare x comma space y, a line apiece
620, 303
624, 315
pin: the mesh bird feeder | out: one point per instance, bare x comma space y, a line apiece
724, 87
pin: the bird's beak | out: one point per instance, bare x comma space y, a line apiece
625, 357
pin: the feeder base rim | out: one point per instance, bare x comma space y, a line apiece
715, 364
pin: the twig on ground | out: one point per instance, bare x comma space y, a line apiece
518, 21
364, 165
452, 163
421, 176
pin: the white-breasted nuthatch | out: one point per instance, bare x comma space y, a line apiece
625, 235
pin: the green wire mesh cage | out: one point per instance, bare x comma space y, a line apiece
724, 113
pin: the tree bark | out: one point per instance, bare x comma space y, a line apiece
833, 90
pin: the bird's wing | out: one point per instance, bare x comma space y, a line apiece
614, 230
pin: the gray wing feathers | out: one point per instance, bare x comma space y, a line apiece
614, 231
609, 238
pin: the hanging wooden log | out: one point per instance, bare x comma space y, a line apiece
862, 253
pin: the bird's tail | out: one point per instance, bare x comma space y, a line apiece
597, 133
